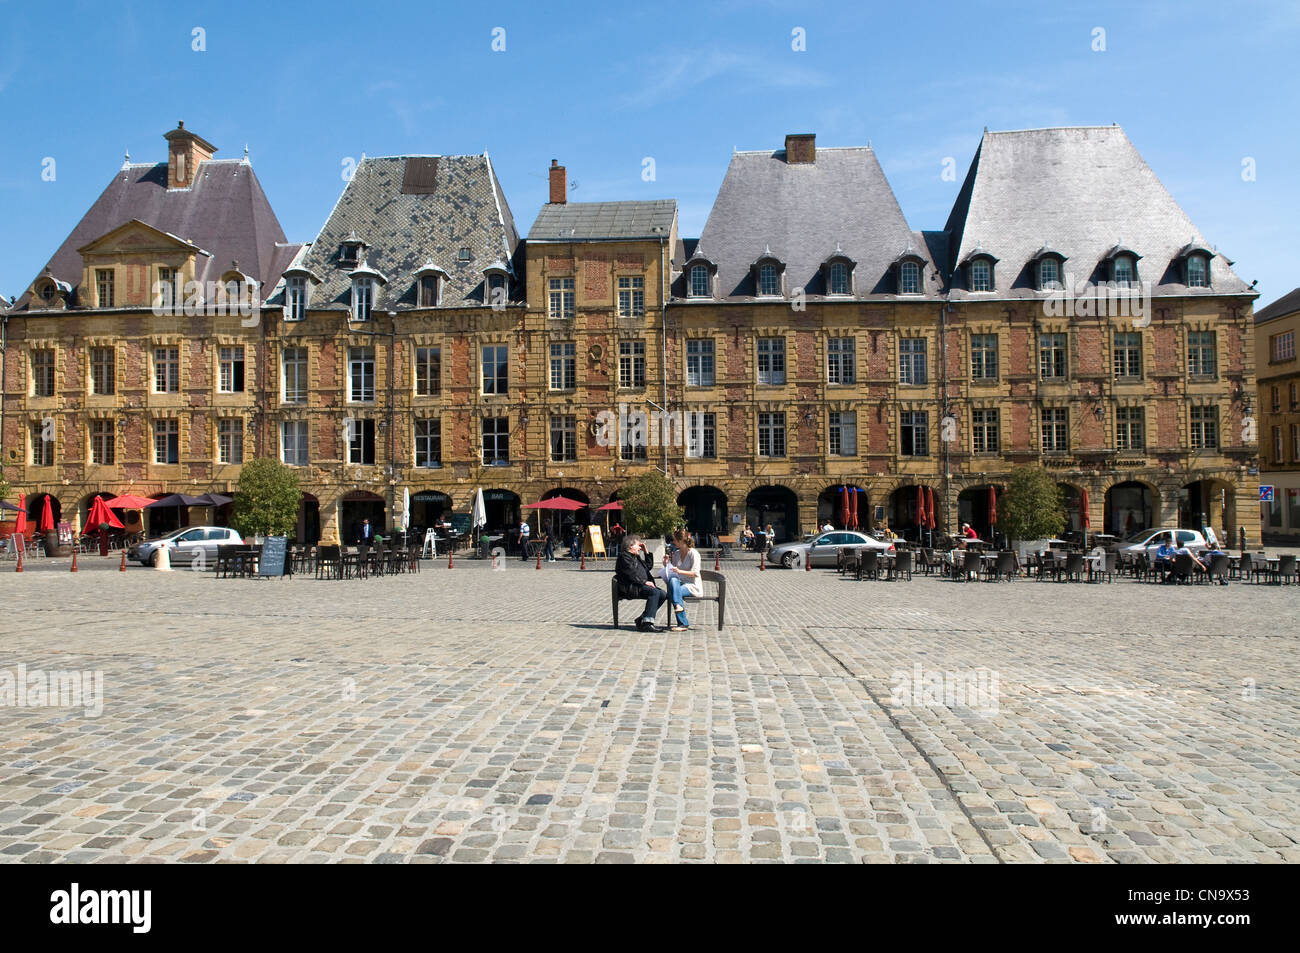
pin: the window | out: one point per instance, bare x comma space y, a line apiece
296, 294
363, 298
1049, 274
839, 278
1123, 271
293, 375
985, 436
1201, 356
1281, 347
840, 367
1056, 435
914, 433
428, 442
463, 254
564, 365
771, 435
1130, 430
911, 361
167, 370
984, 357
564, 439
495, 369
562, 298
428, 291
1051, 356
1128, 354
631, 363
769, 281
42, 449
842, 433
104, 286
361, 441
230, 380
699, 282
496, 441
699, 362
496, 290
428, 371
1277, 445
103, 370
1295, 452
166, 441
909, 278
361, 374
230, 440
631, 297
1277, 398
981, 275
167, 295
1293, 401
101, 442
1205, 428
43, 373
1198, 273
350, 252
771, 360
633, 435
701, 435
294, 442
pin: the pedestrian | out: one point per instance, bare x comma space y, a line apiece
575, 544
634, 581
524, 533
682, 573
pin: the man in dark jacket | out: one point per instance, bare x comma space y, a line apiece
634, 581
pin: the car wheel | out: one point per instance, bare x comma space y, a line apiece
787, 560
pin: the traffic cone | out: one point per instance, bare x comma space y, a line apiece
122, 568
762, 560
74, 558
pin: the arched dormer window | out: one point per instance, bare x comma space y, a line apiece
297, 291
909, 272
1196, 265
768, 271
238, 288
366, 283
1049, 269
699, 271
50, 292
1122, 266
979, 266
429, 283
837, 274
496, 284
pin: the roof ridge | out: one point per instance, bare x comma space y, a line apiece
1004, 132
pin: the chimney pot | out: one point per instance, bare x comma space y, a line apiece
801, 148
559, 184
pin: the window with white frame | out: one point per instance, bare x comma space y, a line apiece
564, 365
911, 361
1130, 428
701, 435
631, 297
771, 360
564, 438
981, 275
296, 299
1055, 429
1123, 270
167, 370
769, 280
167, 294
909, 278
840, 363
914, 433
1295, 448
984, 357
102, 440
1051, 356
1128, 354
496, 369
1198, 272
43, 372
1277, 446
230, 367
496, 290
1281, 347
361, 441
496, 441
230, 440
103, 370
634, 435
166, 441
42, 449
985, 430
562, 298
363, 298
1049, 274
361, 374
294, 443
104, 287
842, 433
771, 434
428, 371
1205, 427
293, 375
699, 281
631, 363
428, 442
1202, 354
839, 278
699, 362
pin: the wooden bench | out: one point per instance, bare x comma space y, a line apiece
724, 546
706, 575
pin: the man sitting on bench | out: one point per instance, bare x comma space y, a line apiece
634, 581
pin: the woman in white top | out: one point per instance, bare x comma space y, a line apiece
685, 580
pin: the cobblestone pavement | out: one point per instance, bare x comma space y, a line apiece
472, 715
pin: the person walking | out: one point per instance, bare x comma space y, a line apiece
682, 573
634, 581
524, 533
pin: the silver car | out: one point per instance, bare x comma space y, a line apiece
187, 545
825, 548
1149, 540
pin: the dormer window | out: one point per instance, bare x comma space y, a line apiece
429, 291
981, 274
351, 249
496, 277
1198, 271
1124, 270
909, 278
769, 280
838, 278
295, 299
363, 298
1049, 274
47, 291
699, 287
700, 273
464, 254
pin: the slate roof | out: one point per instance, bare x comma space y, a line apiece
1287, 304
1081, 191
803, 212
604, 221
410, 218
225, 213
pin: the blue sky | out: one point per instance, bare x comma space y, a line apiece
1198, 87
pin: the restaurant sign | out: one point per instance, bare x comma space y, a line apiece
1073, 463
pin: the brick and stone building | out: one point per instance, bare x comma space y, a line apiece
1276, 329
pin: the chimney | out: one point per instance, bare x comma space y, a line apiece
184, 153
559, 185
801, 147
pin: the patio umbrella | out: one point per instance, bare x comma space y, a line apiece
20, 521
406, 508
100, 513
616, 505
993, 512
920, 511
844, 507
853, 508
478, 513
177, 499
929, 507
556, 503
47, 516
128, 502
1083, 516
213, 499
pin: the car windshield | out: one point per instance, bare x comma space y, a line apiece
176, 532
1141, 537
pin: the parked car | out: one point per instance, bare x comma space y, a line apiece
1149, 540
185, 544
824, 549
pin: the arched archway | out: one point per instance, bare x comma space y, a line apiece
902, 511
706, 511
831, 507
308, 529
356, 507
973, 508
562, 524
1131, 506
502, 509
1208, 502
775, 505
36, 503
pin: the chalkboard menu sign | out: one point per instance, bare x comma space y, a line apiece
274, 550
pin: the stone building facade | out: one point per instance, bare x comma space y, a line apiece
1276, 329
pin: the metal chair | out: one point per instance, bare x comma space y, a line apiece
1072, 569
868, 563
1285, 571
970, 565
1003, 567
329, 562
902, 565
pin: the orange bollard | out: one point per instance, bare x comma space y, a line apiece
715, 560
122, 568
539, 559
761, 560
807, 563
19, 567
74, 558
584, 561
450, 562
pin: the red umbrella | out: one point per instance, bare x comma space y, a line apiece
929, 508
128, 502
920, 507
556, 503
100, 513
993, 506
47, 516
616, 505
844, 506
853, 508
1083, 508
20, 521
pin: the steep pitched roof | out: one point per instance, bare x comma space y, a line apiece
1081, 191
225, 213
410, 211
1289, 303
610, 221
803, 213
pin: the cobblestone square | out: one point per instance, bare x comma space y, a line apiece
469, 715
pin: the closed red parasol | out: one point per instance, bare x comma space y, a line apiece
20, 521
1083, 509
100, 513
929, 508
920, 507
993, 506
844, 506
47, 516
853, 507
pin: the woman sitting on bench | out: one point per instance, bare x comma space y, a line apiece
682, 573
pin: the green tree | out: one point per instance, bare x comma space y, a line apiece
650, 505
1032, 506
266, 501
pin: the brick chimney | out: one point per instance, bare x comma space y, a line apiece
801, 147
184, 153
559, 184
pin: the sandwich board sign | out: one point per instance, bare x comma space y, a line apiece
274, 550
595, 541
